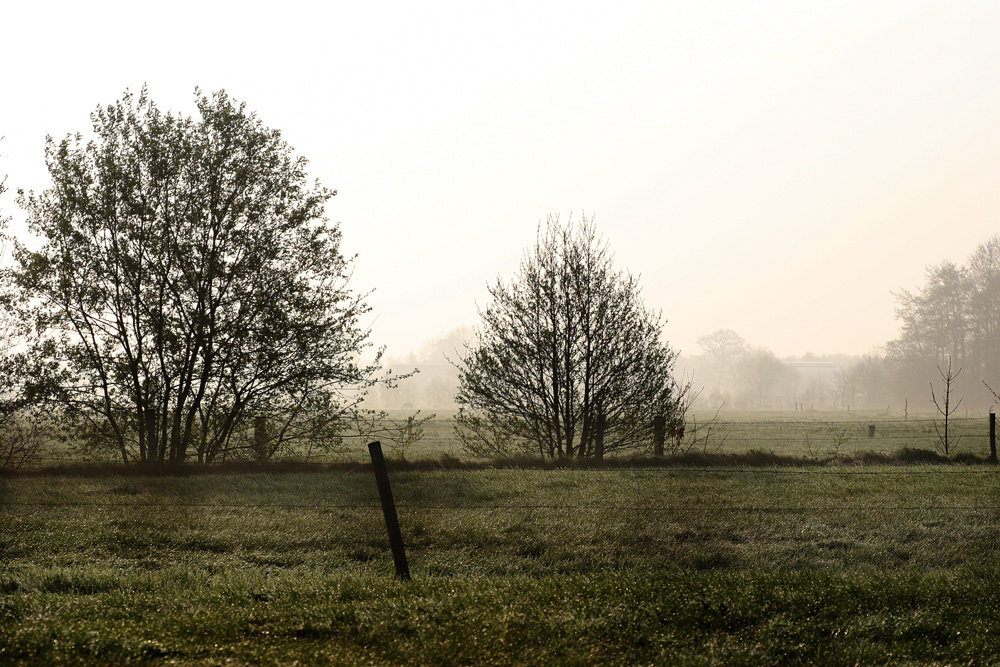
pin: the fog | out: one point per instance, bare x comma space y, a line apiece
774, 168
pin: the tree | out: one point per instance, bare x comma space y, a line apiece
433, 379
865, 381
945, 408
23, 414
984, 308
761, 372
567, 360
955, 315
725, 347
187, 282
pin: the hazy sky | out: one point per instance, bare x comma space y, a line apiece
776, 168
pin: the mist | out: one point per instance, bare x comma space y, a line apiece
952, 320
778, 169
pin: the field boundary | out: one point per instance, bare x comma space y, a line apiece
864, 440
689, 461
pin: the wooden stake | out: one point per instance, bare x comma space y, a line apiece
389, 511
599, 440
152, 447
260, 438
993, 437
659, 434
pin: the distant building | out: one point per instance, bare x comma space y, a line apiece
813, 370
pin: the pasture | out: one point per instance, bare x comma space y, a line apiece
834, 565
808, 434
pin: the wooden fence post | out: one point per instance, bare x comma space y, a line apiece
871, 430
659, 434
389, 511
260, 438
993, 437
599, 440
152, 447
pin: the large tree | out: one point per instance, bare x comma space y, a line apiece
187, 282
935, 319
725, 348
954, 316
760, 372
983, 280
567, 359
24, 415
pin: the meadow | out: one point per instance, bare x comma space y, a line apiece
822, 564
807, 434
819, 435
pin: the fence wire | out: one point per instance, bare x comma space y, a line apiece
666, 509
963, 478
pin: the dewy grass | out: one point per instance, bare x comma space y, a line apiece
820, 435
671, 617
580, 566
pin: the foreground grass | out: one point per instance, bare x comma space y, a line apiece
191, 616
644, 566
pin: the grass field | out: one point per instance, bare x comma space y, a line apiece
804, 434
829, 565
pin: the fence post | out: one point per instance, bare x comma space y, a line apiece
599, 440
260, 438
871, 430
993, 437
152, 447
659, 434
389, 511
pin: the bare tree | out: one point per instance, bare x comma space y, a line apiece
865, 381
946, 410
568, 361
725, 347
761, 373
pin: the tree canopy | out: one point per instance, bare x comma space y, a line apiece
953, 318
187, 281
567, 361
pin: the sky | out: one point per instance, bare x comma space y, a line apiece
775, 168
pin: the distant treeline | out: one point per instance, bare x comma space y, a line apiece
954, 318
